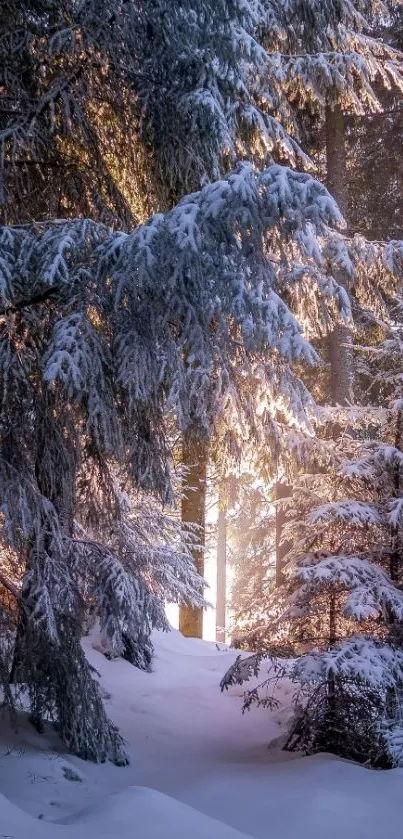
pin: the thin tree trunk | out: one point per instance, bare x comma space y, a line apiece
331, 684
340, 338
194, 459
395, 561
336, 158
221, 603
332, 619
396, 553
282, 548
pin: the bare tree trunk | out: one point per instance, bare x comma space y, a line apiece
340, 339
282, 491
221, 603
194, 459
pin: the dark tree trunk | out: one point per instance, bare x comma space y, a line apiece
395, 564
332, 619
336, 158
221, 603
282, 491
396, 548
194, 459
340, 338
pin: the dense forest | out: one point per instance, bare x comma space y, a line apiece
201, 296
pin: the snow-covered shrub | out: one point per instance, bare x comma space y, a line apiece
346, 702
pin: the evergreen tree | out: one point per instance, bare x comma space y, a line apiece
374, 154
349, 572
68, 112
78, 445
113, 110
328, 54
208, 92
287, 448
333, 66
95, 352
341, 603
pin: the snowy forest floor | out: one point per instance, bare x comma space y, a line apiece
188, 741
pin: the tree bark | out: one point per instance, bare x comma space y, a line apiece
221, 602
332, 620
340, 338
396, 551
194, 460
282, 491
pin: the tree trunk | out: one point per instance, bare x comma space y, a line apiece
282, 491
221, 603
396, 552
194, 459
336, 158
340, 338
332, 619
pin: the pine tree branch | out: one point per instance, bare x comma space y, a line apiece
375, 114
30, 301
4, 581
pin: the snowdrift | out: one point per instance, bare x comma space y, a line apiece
135, 813
141, 813
199, 768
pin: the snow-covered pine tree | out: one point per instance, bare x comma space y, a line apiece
113, 110
210, 95
81, 451
341, 605
342, 74
208, 100
332, 65
123, 108
223, 331
344, 595
285, 447
327, 52
344, 569
93, 356
69, 120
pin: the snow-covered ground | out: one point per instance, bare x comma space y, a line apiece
199, 769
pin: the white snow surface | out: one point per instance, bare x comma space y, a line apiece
199, 769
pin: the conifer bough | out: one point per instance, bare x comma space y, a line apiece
95, 329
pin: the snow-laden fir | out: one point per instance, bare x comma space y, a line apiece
106, 339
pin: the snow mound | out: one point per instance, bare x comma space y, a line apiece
175, 643
146, 813
132, 813
16, 824
199, 768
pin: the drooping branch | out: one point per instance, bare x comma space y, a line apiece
41, 297
11, 587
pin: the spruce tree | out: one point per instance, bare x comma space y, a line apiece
94, 353
83, 464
